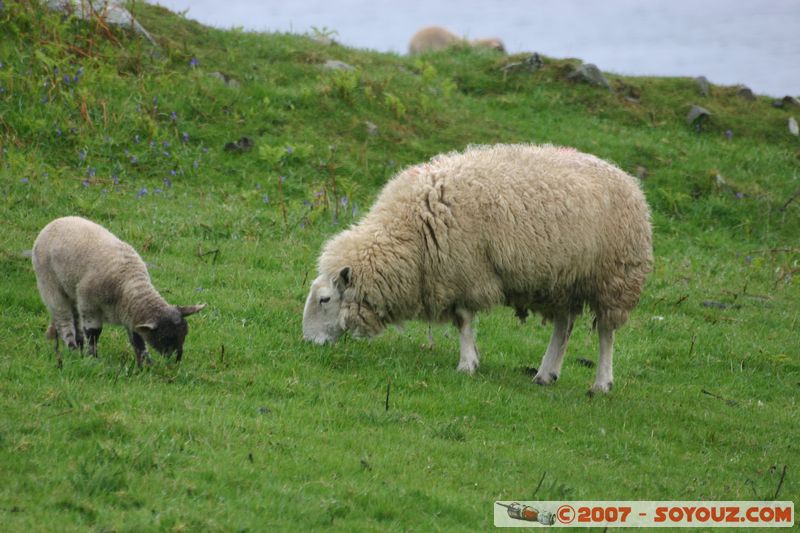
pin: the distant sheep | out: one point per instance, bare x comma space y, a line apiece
537, 228
435, 38
87, 276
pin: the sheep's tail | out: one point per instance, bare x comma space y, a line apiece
51, 332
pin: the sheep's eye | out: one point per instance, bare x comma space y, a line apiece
325, 299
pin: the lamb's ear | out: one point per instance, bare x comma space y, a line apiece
190, 309
147, 327
344, 279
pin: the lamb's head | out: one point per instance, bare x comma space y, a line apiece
334, 306
166, 332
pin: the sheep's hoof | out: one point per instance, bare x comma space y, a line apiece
467, 367
601, 388
541, 379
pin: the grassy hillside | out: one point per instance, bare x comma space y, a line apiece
256, 430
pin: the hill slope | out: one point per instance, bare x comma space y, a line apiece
226, 158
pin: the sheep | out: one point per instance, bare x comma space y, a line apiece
433, 38
86, 277
537, 228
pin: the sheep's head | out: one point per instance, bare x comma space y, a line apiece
333, 307
167, 332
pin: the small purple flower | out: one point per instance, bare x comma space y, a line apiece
2, 90
75, 79
729, 134
85, 183
165, 144
185, 137
318, 194
155, 100
137, 139
265, 198
55, 71
58, 131
142, 192
739, 195
167, 183
204, 149
73, 131
354, 210
289, 150
80, 71
194, 62
157, 190
25, 181
306, 203
343, 201
173, 116
195, 164
282, 178
173, 172
82, 155
166, 154
66, 79
134, 160
115, 179
127, 153
45, 99
258, 186
152, 144
91, 172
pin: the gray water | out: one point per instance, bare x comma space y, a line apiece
752, 42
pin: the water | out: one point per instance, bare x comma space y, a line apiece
752, 42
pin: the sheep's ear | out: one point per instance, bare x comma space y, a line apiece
147, 327
344, 279
190, 309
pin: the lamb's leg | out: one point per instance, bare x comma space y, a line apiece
469, 351
64, 323
550, 368
92, 327
605, 375
139, 348
78, 330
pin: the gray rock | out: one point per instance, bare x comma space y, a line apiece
703, 85
372, 129
112, 11
227, 80
589, 73
745, 92
793, 128
697, 115
790, 101
335, 64
530, 64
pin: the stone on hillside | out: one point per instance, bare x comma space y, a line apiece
335, 64
745, 92
589, 73
697, 115
530, 64
112, 11
372, 129
793, 127
703, 85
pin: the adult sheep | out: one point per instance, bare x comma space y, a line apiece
86, 276
537, 228
433, 38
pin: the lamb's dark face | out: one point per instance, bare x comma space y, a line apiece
333, 308
167, 333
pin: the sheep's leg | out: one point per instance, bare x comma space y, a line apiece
469, 351
64, 323
139, 348
553, 358
605, 375
92, 326
76, 324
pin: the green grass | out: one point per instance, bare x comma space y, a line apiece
256, 430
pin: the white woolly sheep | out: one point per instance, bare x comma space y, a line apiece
537, 228
434, 38
87, 276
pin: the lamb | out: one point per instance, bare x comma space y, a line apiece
537, 228
433, 38
86, 277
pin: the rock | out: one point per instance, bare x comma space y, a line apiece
745, 92
793, 128
589, 73
530, 64
112, 11
335, 64
372, 129
227, 80
790, 101
703, 85
245, 144
697, 115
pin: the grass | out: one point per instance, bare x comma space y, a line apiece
256, 430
